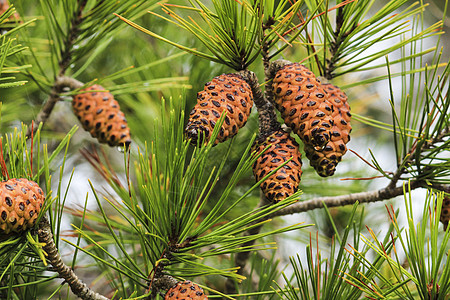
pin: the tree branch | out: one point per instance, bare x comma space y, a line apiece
266, 111
334, 201
76, 285
60, 83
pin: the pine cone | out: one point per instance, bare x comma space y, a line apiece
20, 203
326, 159
185, 290
445, 212
303, 104
227, 92
285, 181
99, 113
4, 6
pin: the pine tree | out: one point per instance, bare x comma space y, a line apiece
147, 107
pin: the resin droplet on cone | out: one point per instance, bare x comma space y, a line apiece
21, 201
100, 114
227, 92
326, 159
303, 104
185, 290
285, 181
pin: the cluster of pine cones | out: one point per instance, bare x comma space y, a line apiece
318, 113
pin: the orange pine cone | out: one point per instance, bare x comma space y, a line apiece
100, 114
326, 159
285, 181
185, 290
227, 92
303, 104
20, 203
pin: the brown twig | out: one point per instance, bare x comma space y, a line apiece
266, 112
60, 83
364, 197
78, 287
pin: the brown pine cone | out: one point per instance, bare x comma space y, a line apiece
285, 181
303, 104
227, 92
21, 201
326, 159
100, 114
185, 290
445, 212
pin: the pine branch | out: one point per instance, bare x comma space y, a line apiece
364, 197
266, 112
60, 83
76, 285
71, 37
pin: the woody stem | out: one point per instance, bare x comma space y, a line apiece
58, 86
79, 288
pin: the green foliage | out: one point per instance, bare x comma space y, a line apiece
167, 208
22, 260
356, 40
165, 213
408, 263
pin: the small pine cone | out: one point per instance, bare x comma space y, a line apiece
227, 92
326, 159
185, 290
285, 181
20, 203
303, 104
100, 114
445, 212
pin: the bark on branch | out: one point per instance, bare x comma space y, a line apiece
334, 201
60, 83
78, 287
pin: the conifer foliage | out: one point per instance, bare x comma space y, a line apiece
189, 178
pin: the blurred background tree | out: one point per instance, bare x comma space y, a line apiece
131, 224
